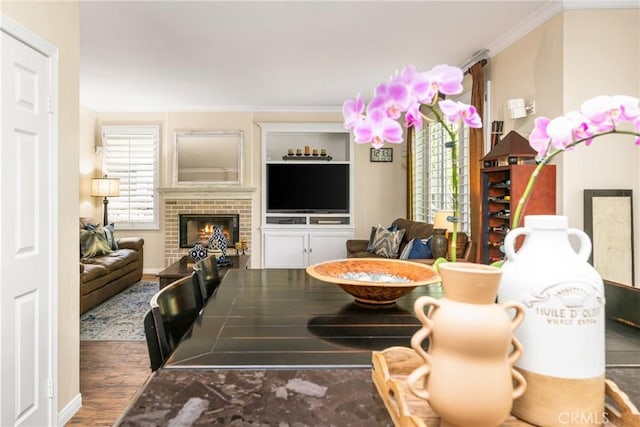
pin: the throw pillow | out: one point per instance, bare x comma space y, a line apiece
372, 236
421, 249
387, 243
407, 250
109, 234
93, 242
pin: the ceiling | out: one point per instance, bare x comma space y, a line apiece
278, 55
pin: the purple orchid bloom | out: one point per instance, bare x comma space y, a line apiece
560, 130
598, 111
414, 116
582, 127
539, 138
352, 110
420, 85
377, 128
454, 111
392, 97
447, 78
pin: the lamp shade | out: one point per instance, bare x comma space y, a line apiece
105, 187
440, 221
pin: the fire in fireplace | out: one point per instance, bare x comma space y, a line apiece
198, 227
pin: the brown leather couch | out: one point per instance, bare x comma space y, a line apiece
413, 229
104, 276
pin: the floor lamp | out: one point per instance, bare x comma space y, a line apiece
105, 187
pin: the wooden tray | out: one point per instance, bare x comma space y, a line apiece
392, 366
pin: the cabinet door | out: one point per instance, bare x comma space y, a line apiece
285, 250
328, 246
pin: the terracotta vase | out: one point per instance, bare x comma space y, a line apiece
564, 328
468, 376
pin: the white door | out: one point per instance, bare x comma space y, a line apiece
27, 274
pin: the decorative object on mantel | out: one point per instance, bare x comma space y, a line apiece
309, 154
375, 281
198, 252
392, 365
218, 245
564, 299
467, 375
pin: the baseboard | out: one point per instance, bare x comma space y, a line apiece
151, 271
70, 410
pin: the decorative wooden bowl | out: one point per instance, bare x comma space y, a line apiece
380, 280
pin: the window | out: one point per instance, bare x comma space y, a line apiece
432, 186
131, 154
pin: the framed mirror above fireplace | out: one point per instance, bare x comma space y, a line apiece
208, 158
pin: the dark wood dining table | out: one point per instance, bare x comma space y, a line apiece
278, 347
265, 318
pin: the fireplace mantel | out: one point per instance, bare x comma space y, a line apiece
207, 193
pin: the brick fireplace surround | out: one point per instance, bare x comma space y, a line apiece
173, 208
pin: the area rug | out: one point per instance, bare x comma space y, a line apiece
120, 318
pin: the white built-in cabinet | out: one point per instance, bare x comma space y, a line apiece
297, 240
298, 249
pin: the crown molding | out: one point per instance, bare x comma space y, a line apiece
223, 109
537, 18
601, 4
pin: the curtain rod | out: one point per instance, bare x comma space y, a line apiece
483, 62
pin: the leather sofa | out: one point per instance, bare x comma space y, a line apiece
357, 248
104, 276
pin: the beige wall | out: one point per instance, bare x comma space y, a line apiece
379, 187
57, 22
602, 57
574, 56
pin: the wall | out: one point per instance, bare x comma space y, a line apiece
602, 57
574, 56
57, 22
380, 187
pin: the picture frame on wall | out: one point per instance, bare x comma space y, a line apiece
381, 155
608, 221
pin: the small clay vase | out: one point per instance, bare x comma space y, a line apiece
468, 376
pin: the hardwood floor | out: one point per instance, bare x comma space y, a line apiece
111, 373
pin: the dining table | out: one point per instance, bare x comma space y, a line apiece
277, 347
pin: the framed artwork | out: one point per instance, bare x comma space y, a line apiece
608, 221
381, 155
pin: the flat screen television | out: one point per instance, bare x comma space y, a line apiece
307, 188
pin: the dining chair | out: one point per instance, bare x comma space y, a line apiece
153, 342
208, 277
175, 308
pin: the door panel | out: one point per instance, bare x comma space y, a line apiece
26, 273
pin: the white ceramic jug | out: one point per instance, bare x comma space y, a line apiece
563, 332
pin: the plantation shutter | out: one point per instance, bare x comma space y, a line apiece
130, 153
420, 168
440, 186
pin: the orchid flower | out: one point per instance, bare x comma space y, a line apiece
376, 128
455, 111
352, 110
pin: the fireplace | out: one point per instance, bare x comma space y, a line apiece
194, 228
